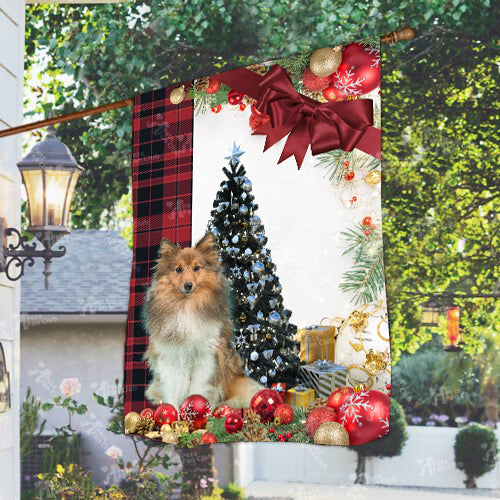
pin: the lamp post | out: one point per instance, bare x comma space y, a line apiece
50, 173
429, 315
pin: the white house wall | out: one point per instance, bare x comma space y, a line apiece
11, 88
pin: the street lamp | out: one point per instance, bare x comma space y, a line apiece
429, 314
50, 173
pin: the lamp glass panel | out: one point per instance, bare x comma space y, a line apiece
34, 191
55, 194
71, 191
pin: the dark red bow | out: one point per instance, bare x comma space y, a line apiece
324, 126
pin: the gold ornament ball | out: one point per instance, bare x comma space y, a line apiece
170, 437
131, 419
325, 61
177, 95
373, 178
331, 433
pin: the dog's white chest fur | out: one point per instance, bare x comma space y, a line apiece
188, 367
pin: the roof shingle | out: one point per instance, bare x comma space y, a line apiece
92, 278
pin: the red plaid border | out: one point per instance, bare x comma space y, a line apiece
162, 173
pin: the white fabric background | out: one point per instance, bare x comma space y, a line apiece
301, 211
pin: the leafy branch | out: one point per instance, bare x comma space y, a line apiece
366, 278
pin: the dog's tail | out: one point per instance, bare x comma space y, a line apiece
242, 391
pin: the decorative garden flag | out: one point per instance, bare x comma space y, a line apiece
257, 298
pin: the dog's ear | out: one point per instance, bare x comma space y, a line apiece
207, 243
168, 248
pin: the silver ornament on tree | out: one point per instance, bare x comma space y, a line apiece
254, 355
275, 318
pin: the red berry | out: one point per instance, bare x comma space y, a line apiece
373, 226
346, 163
367, 221
288, 435
349, 176
388, 387
271, 429
216, 109
389, 393
281, 436
354, 198
243, 106
367, 232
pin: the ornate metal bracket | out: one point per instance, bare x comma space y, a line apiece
16, 257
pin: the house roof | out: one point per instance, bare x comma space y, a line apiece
92, 278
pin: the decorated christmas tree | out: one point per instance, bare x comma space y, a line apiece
263, 333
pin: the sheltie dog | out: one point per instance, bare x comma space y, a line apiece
187, 317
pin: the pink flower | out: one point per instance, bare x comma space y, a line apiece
70, 386
203, 483
114, 452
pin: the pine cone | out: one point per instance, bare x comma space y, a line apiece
144, 425
317, 403
201, 84
255, 433
195, 442
257, 68
251, 417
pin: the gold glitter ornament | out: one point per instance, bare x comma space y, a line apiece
325, 61
180, 427
177, 95
375, 362
373, 177
170, 437
153, 435
332, 434
131, 420
358, 320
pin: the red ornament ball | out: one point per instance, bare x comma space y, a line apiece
365, 416
165, 414
359, 72
332, 93
148, 413
208, 438
271, 430
216, 109
388, 387
288, 435
349, 176
389, 393
317, 417
222, 411
234, 97
367, 221
285, 412
313, 82
264, 403
213, 86
243, 106
195, 411
233, 423
257, 121
338, 397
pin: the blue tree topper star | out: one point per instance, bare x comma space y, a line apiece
234, 154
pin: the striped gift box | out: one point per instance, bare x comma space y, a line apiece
323, 376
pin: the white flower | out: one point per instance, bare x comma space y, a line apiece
70, 386
114, 452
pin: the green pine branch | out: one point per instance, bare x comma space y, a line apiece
203, 102
372, 41
366, 278
333, 162
295, 65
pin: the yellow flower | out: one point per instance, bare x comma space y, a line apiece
40, 476
70, 468
60, 469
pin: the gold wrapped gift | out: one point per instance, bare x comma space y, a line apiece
317, 342
299, 396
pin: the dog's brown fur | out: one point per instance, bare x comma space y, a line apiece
206, 303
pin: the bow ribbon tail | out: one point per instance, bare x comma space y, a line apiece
297, 142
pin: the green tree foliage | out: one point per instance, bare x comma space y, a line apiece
476, 452
440, 183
